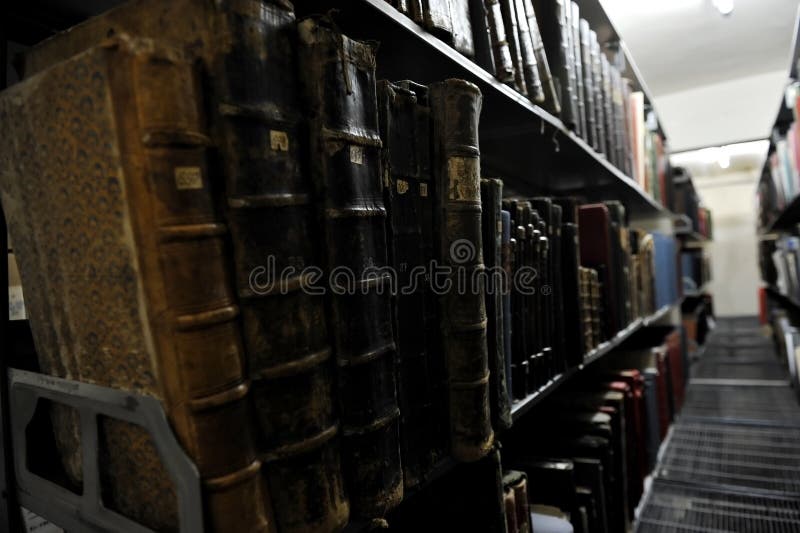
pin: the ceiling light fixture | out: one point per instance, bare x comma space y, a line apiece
725, 7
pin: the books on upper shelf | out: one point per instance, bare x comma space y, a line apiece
547, 52
686, 201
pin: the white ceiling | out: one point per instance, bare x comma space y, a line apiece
686, 46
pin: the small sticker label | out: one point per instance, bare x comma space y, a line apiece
402, 186
423, 190
499, 229
187, 178
464, 180
357, 155
278, 141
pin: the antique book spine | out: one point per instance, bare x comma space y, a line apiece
551, 102
571, 65
545, 302
552, 17
597, 86
509, 12
575, 19
455, 108
437, 19
397, 108
492, 225
557, 292
273, 225
462, 27
608, 112
534, 316
574, 345
138, 321
345, 161
481, 35
619, 118
520, 328
529, 68
503, 66
588, 84
508, 267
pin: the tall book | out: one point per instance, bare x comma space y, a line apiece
455, 108
578, 66
598, 252
598, 90
503, 65
255, 118
551, 102
340, 94
574, 346
608, 112
397, 108
492, 226
639, 133
508, 267
508, 9
588, 83
134, 163
552, 18
462, 27
529, 68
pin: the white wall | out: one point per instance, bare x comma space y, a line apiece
721, 113
731, 198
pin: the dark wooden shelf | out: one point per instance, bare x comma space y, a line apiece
530, 149
521, 407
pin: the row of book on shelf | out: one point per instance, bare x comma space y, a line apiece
687, 202
779, 183
547, 52
386, 306
580, 460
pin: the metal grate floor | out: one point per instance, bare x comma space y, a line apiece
732, 462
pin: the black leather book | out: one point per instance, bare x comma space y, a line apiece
620, 263
545, 306
529, 68
551, 290
552, 98
552, 18
501, 54
509, 11
597, 86
481, 35
508, 266
462, 27
492, 227
520, 327
397, 115
575, 25
608, 111
589, 473
588, 84
569, 208
345, 155
574, 335
455, 109
553, 481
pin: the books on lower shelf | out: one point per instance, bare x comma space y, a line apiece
222, 208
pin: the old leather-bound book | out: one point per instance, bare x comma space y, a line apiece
608, 111
597, 251
492, 225
509, 12
573, 321
462, 27
255, 119
516, 482
437, 19
345, 158
552, 18
529, 68
114, 254
507, 259
588, 84
555, 292
597, 86
578, 66
397, 107
551, 101
503, 65
455, 108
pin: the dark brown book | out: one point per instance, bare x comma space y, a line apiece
503, 65
553, 25
588, 84
397, 108
529, 68
114, 255
455, 108
509, 12
345, 156
597, 86
597, 252
516, 483
608, 111
552, 98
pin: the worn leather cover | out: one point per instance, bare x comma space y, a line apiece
608, 110
462, 27
345, 153
437, 19
575, 25
503, 65
552, 18
552, 98
492, 227
455, 108
573, 324
597, 85
508, 266
587, 66
509, 11
404, 192
529, 68
256, 129
551, 289
597, 250
107, 188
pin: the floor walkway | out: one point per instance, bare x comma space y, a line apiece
732, 460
